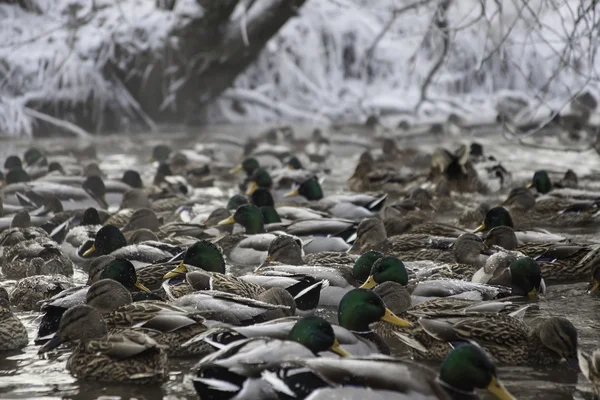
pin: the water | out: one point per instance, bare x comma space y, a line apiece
23, 374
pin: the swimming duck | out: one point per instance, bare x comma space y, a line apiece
545, 341
590, 368
29, 292
110, 240
308, 337
465, 369
249, 248
168, 325
35, 257
288, 250
104, 267
350, 206
12, 330
79, 235
559, 262
127, 356
372, 235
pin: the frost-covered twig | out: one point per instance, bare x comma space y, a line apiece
66, 125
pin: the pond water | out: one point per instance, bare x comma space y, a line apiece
24, 374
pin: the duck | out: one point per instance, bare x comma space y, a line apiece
288, 250
78, 236
371, 235
349, 206
30, 291
590, 368
500, 216
91, 193
40, 256
559, 262
544, 341
249, 248
12, 331
169, 326
372, 175
104, 267
308, 337
466, 369
127, 356
20, 230
110, 240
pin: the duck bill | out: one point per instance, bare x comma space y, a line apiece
529, 185
292, 193
532, 294
498, 390
51, 344
90, 251
236, 169
227, 221
143, 288
594, 288
179, 270
394, 319
251, 188
480, 228
369, 283
339, 350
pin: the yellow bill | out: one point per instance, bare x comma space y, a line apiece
394, 319
498, 390
252, 186
90, 251
227, 221
177, 271
529, 185
339, 350
369, 283
532, 293
480, 228
142, 287
236, 169
292, 193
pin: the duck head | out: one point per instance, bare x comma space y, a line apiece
202, 254
236, 201
249, 216
386, 269
294, 164
559, 335
90, 217
317, 335
503, 236
133, 179
106, 295
108, 239
526, 277
497, 216
34, 156
12, 162
541, 182
123, 271
249, 165
310, 189
468, 367
260, 179
363, 265
361, 307
94, 186
369, 233
285, 249
161, 153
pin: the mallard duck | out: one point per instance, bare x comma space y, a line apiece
466, 369
127, 356
350, 206
371, 235
170, 326
91, 193
522, 274
288, 250
280, 329
375, 176
79, 235
244, 359
30, 291
559, 262
590, 368
119, 270
237, 310
249, 248
35, 257
509, 340
110, 240
13, 334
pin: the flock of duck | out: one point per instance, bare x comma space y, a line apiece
251, 287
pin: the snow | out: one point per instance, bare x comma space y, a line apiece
316, 69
